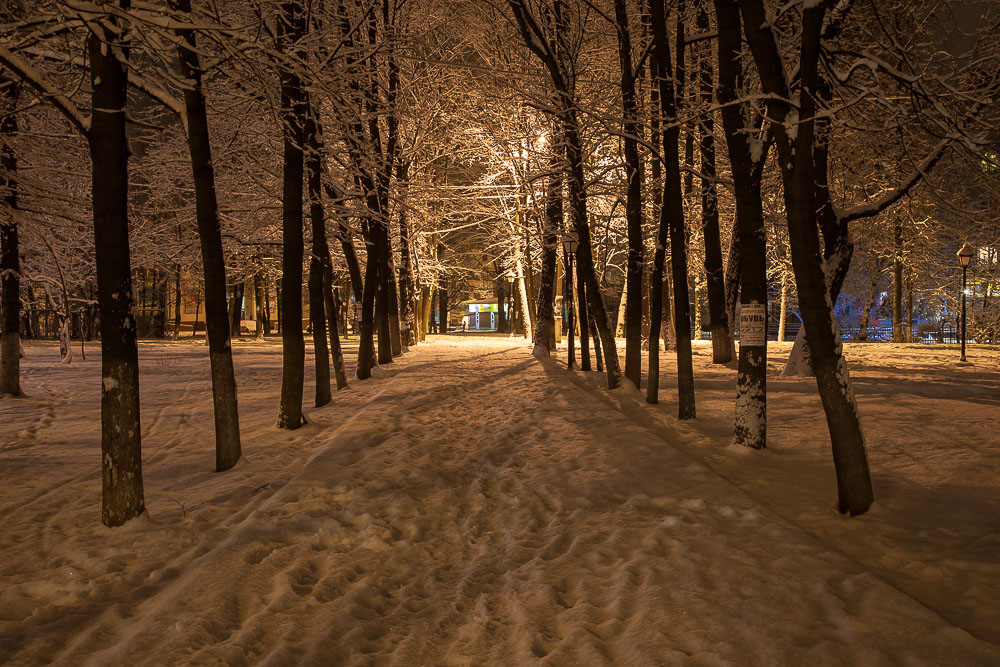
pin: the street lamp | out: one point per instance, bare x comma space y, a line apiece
509, 315
570, 244
965, 255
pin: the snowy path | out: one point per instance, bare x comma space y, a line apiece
468, 506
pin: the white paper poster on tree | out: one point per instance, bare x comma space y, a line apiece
753, 324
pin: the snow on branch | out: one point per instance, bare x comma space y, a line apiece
37, 80
889, 198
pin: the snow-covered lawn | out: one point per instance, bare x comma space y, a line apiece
472, 506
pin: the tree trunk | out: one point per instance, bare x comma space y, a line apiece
750, 422
582, 319
898, 325
177, 301
501, 295
406, 286
672, 217
869, 304
633, 201
121, 455
733, 279
715, 283
10, 255
590, 295
291, 27
426, 309
803, 199
228, 448
320, 252
909, 310
236, 310
395, 329
330, 303
261, 314
545, 332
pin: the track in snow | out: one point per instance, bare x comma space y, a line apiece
467, 506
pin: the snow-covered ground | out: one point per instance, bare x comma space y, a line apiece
472, 506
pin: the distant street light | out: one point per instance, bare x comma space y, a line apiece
509, 315
965, 255
570, 244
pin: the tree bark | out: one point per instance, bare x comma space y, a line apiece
121, 451
291, 28
715, 283
633, 202
228, 448
562, 77
545, 332
10, 255
406, 285
898, 325
177, 301
319, 254
236, 309
750, 422
803, 199
582, 318
261, 314
442, 310
672, 221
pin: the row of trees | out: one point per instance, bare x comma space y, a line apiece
700, 149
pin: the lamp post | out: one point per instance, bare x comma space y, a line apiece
965, 255
508, 316
570, 244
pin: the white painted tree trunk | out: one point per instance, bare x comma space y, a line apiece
622, 303
525, 306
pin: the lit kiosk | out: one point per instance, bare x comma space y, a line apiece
965, 255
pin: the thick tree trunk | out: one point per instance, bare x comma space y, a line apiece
319, 254
622, 305
584, 256
236, 309
750, 423
330, 306
426, 307
545, 332
715, 283
291, 27
10, 255
672, 216
563, 81
869, 304
228, 448
406, 285
395, 329
366, 345
802, 201
121, 451
633, 201
598, 357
